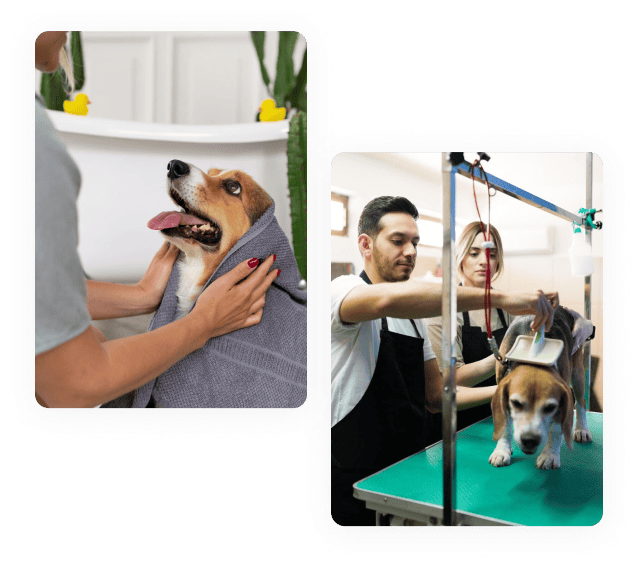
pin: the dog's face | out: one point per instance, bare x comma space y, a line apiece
533, 397
218, 208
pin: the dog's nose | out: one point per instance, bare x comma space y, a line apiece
177, 169
530, 442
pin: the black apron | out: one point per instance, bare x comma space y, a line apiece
476, 348
387, 424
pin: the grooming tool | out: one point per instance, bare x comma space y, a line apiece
535, 349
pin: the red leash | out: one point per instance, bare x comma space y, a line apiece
487, 301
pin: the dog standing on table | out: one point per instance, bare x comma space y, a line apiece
533, 404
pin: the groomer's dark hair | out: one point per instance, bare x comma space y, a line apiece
377, 208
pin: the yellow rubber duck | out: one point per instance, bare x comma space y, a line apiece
79, 106
268, 112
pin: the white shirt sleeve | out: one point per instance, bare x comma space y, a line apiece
339, 289
428, 350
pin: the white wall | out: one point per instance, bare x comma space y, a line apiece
196, 78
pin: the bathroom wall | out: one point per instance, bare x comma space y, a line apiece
189, 77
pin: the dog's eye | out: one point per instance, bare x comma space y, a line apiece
517, 404
549, 408
233, 187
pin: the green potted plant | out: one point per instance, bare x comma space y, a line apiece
289, 90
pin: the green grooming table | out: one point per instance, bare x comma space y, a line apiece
411, 491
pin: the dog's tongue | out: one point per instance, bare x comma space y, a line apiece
173, 219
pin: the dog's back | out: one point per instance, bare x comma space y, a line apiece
521, 325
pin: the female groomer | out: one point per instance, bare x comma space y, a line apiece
475, 364
74, 365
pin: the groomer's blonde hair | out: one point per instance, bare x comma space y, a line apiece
465, 243
68, 76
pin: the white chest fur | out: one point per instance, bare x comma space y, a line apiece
191, 270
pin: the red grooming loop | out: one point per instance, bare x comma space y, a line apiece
487, 303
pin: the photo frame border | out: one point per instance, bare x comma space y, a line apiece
504, 542
149, 424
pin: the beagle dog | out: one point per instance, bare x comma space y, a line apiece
218, 207
533, 404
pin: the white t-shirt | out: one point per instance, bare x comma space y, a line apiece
355, 347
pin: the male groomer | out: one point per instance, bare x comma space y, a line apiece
384, 372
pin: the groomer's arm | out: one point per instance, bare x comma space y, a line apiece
465, 397
467, 374
106, 300
470, 374
420, 299
86, 372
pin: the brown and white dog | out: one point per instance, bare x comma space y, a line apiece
533, 404
218, 207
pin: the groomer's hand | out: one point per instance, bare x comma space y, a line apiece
236, 299
538, 304
154, 281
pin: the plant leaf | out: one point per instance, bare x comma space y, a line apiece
52, 90
298, 98
297, 184
259, 38
285, 78
78, 59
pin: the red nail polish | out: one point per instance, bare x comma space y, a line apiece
278, 272
253, 263
274, 258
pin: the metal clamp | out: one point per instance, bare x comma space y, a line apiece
494, 349
590, 216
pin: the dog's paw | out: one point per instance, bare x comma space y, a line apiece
500, 458
582, 436
548, 461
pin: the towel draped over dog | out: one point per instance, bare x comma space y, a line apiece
263, 366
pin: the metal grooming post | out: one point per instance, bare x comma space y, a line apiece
449, 303
587, 298
449, 339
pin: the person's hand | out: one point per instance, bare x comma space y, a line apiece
236, 299
538, 304
154, 281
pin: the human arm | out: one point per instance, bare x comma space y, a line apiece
471, 374
111, 300
85, 371
468, 374
465, 397
420, 299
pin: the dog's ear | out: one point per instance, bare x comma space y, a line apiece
500, 370
567, 414
500, 401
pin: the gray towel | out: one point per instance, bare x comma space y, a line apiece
263, 366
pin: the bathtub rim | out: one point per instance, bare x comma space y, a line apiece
257, 132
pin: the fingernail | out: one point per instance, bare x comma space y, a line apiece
274, 258
278, 272
253, 263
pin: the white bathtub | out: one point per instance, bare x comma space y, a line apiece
123, 167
